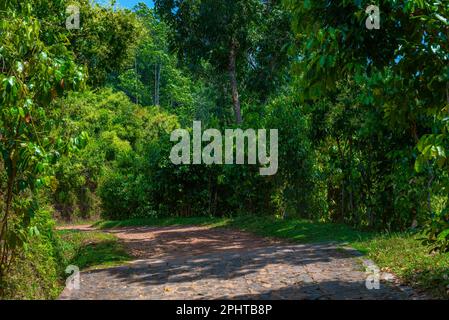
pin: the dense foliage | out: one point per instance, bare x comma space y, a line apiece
86, 114
33, 74
384, 97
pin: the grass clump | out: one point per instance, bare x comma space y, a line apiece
92, 249
405, 256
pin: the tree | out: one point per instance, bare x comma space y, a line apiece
155, 78
400, 70
32, 75
218, 31
105, 41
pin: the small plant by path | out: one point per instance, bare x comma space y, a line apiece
86, 248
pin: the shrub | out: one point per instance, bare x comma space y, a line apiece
437, 231
36, 270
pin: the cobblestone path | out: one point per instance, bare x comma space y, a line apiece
203, 263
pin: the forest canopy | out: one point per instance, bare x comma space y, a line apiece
86, 114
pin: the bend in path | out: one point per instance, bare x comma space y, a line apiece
190, 262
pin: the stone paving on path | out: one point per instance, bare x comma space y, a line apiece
203, 263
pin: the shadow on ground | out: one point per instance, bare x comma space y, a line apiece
202, 263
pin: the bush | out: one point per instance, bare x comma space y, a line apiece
117, 130
145, 183
437, 232
296, 181
36, 271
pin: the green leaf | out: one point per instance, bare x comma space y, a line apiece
443, 235
21, 112
419, 163
441, 152
19, 67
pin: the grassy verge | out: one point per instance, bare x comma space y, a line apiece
161, 222
75, 221
91, 249
301, 231
292, 229
402, 253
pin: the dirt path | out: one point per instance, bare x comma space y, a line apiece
203, 263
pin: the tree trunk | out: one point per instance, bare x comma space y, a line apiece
447, 83
343, 181
447, 94
5, 253
137, 75
234, 87
429, 191
157, 80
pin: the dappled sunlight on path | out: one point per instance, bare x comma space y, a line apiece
188, 262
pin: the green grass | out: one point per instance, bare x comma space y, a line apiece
402, 253
91, 249
292, 229
302, 231
75, 221
171, 221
